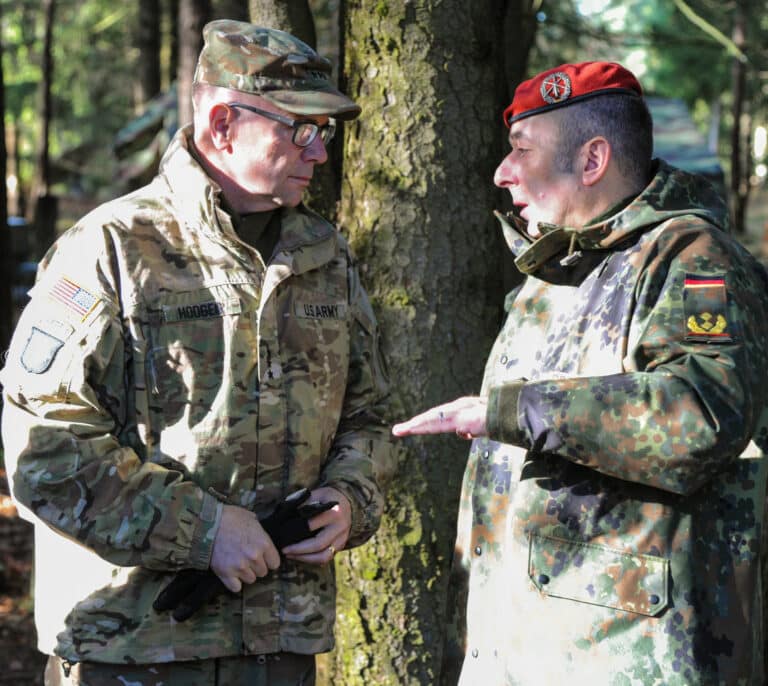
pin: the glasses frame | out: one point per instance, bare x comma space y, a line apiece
326, 131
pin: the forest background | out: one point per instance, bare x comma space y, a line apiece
92, 90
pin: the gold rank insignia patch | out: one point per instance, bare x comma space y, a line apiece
705, 306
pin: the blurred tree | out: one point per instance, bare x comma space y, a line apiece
193, 16
7, 266
171, 18
45, 201
148, 34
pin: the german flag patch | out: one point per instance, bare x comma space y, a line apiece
705, 309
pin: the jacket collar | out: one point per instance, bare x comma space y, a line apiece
671, 193
306, 239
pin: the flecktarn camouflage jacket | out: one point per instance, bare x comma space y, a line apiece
160, 370
611, 526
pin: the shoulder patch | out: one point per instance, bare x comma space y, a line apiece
44, 342
75, 299
705, 309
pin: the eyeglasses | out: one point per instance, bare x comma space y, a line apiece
304, 130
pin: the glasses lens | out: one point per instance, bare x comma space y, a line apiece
327, 131
304, 134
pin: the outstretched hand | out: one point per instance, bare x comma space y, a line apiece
465, 417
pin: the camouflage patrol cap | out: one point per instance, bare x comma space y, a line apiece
273, 64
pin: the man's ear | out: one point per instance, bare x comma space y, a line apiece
219, 124
596, 155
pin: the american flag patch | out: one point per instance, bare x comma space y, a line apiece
73, 296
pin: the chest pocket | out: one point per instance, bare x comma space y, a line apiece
191, 358
597, 575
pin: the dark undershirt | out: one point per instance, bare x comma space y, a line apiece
260, 230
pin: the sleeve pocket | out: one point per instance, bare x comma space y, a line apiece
589, 573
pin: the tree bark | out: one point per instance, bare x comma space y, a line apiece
148, 45
293, 16
231, 9
417, 201
193, 16
520, 30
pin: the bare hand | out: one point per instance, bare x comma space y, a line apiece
335, 524
465, 417
242, 550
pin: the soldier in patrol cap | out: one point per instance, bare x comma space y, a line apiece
194, 355
612, 503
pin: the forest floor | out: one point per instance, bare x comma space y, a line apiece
20, 662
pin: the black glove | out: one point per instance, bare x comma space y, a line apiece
190, 589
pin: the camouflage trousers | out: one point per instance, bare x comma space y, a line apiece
279, 669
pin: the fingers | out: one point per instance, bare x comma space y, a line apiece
465, 417
320, 553
242, 551
231, 582
332, 526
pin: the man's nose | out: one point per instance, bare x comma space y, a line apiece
505, 175
316, 151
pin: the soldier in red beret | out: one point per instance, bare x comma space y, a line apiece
611, 519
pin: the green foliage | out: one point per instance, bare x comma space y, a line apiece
93, 66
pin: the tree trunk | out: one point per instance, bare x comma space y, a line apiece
739, 77
520, 22
193, 16
7, 266
293, 16
45, 204
417, 201
148, 45
231, 9
171, 14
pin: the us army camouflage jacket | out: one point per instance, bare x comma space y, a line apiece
611, 526
161, 370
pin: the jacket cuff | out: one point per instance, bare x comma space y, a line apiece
205, 532
502, 414
365, 518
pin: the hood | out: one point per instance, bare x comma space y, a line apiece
671, 193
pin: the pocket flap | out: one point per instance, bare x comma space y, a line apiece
589, 573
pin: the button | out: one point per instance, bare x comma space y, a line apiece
475, 652
504, 359
486, 454
543, 579
653, 599
478, 550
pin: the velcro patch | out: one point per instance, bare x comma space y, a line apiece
75, 298
705, 303
317, 310
44, 342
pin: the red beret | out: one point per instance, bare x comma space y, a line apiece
567, 84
